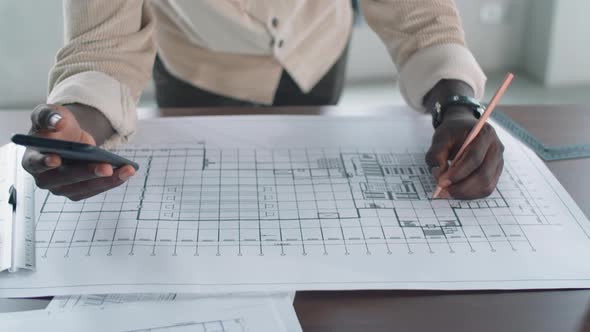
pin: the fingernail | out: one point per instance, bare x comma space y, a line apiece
51, 161
53, 120
124, 176
445, 183
45, 117
97, 172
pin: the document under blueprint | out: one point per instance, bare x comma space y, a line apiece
200, 315
269, 203
67, 302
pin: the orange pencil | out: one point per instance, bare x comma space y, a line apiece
480, 123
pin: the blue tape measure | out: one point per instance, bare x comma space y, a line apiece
548, 153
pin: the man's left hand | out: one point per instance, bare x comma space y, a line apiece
476, 173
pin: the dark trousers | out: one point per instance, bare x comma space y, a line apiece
172, 92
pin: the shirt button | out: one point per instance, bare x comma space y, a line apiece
274, 22
280, 44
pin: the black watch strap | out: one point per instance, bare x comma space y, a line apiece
440, 108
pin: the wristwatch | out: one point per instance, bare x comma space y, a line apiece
440, 107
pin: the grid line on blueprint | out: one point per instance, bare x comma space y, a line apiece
198, 201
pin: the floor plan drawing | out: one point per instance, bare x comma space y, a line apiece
200, 201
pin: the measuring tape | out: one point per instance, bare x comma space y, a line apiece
548, 153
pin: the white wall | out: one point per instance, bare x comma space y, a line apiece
30, 35
497, 46
569, 51
538, 36
557, 47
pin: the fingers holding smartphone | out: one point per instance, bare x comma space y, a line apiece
77, 180
85, 189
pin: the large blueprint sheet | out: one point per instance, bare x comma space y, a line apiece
233, 204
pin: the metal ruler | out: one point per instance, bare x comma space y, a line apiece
25, 230
548, 153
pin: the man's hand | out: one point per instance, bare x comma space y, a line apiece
77, 180
476, 173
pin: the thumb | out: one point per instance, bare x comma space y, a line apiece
57, 122
437, 159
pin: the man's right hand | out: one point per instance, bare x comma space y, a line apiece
77, 180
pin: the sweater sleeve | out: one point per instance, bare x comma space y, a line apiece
426, 41
106, 60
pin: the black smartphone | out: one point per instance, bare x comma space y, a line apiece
72, 151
